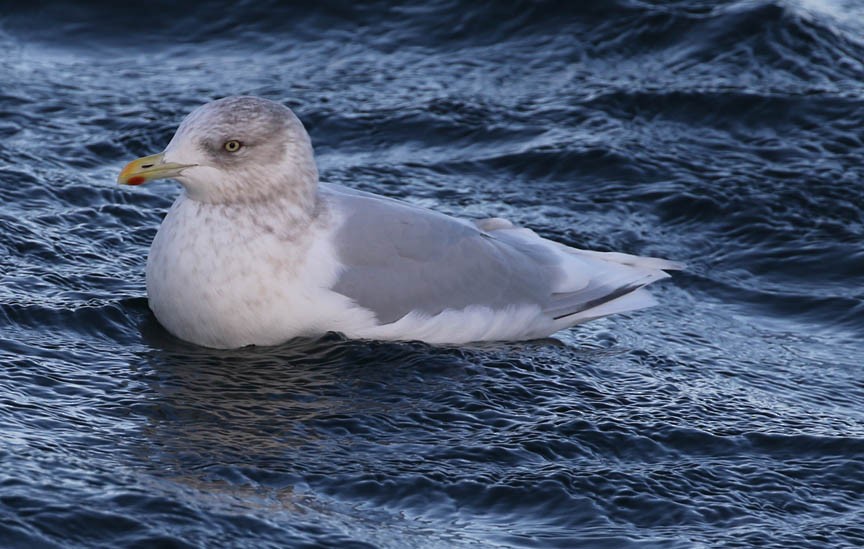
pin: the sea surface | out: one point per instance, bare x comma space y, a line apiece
726, 135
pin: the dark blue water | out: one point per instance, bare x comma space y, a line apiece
727, 135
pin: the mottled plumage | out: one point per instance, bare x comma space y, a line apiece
256, 251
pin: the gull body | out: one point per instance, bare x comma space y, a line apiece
256, 251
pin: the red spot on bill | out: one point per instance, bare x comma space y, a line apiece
136, 180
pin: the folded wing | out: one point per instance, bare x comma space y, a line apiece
398, 258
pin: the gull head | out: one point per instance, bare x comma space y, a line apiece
235, 150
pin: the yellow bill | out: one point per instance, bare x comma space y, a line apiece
149, 168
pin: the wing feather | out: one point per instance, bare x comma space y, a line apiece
398, 258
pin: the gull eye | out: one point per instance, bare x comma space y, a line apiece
232, 146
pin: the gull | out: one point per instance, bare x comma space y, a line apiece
257, 251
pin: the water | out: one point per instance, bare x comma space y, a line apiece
725, 135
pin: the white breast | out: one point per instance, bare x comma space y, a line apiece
222, 280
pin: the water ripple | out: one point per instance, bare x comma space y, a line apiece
725, 135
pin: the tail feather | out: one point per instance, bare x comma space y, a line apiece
599, 292
594, 284
637, 261
616, 285
633, 301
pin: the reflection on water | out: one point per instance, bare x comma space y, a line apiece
273, 407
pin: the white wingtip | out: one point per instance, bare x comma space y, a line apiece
632, 260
